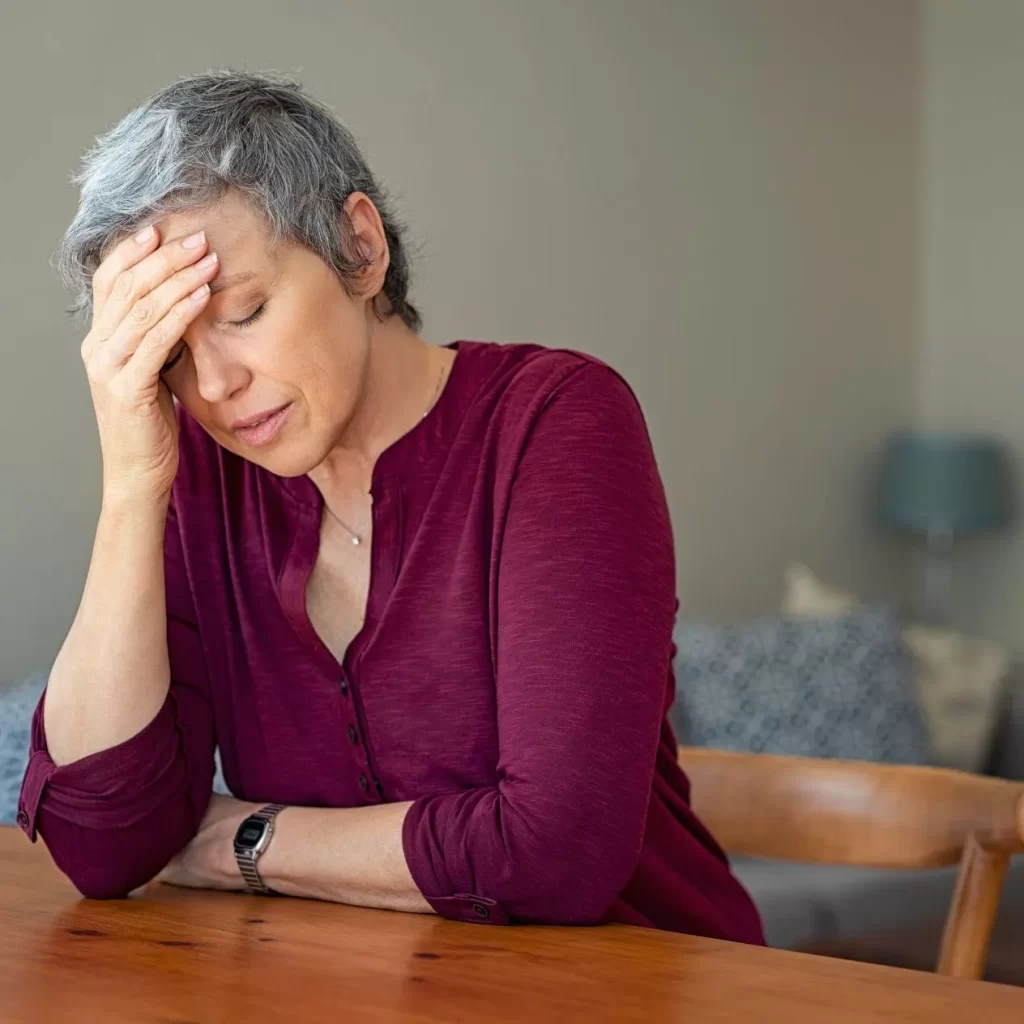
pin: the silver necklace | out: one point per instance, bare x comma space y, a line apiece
356, 538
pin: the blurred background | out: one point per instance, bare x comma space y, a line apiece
794, 225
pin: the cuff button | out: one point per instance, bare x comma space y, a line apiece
481, 911
22, 819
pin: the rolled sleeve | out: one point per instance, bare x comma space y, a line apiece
422, 840
113, 819
585, 603
115, 787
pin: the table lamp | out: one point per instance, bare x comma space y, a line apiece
943, 485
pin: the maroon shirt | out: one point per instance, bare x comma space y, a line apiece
511, 679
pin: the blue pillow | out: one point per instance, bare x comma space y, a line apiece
831, 687
16, 708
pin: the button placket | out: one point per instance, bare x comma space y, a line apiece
362, 755
386, 510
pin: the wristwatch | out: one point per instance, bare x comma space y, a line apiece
251, 840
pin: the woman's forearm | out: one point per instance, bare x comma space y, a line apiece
346, 855
112, 674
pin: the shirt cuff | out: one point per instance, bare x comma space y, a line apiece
115, 787
431, 875
467, 907
37, 775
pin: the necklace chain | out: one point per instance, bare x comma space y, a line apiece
357, 540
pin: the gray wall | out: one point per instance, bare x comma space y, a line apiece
717, 196
972, 261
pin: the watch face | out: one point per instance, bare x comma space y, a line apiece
249, 833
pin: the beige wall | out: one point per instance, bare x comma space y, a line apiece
972, 262
717, 196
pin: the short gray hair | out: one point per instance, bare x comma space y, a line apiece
257, 132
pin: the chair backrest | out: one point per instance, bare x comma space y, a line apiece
872, 815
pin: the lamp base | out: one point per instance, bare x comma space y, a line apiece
937, 573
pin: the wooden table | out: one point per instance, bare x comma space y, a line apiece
181, 957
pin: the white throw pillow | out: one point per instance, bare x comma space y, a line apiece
807, 597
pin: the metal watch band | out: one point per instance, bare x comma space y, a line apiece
247, 859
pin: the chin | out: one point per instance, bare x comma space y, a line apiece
291, 461
293, 456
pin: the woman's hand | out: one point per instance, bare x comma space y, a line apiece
144, 298
208, 862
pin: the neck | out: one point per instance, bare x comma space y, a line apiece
400, 382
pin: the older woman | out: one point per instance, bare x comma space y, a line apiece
421, 597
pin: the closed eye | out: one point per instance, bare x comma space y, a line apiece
173, 361
251, 318
247, 322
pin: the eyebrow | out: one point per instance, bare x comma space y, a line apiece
218, 284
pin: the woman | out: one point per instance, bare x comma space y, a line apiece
421, 597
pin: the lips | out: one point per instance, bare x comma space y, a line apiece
262, 428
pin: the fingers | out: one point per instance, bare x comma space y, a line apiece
149, 355
125, 254
134, 272
156, 320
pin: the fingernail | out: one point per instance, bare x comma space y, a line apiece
200, 293
207, 261
144, 235
194, 241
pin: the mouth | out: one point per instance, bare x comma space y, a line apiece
262, 428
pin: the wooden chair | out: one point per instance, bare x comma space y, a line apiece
870, 815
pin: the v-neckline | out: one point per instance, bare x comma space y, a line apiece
386, 541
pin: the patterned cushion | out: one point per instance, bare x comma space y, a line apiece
16, 708
831, 687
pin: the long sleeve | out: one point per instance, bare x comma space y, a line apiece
114, 819
585, 603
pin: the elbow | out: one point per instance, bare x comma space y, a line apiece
110, 864
576, 898
104, 889
109, 882
568, 883
112, 880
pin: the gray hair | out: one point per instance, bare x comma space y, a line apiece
184, 147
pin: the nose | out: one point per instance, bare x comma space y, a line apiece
218, 375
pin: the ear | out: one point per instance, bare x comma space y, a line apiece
364, 240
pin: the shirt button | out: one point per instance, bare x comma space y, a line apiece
344, 687
22, 819
364, 782
352, 734
480, 910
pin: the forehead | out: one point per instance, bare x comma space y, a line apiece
232, 229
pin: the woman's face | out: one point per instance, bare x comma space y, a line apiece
279, 336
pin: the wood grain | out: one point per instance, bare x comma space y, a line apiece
181, 956
870, 815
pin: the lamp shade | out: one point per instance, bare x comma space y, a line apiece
944, 482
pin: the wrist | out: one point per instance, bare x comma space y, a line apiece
129, 503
